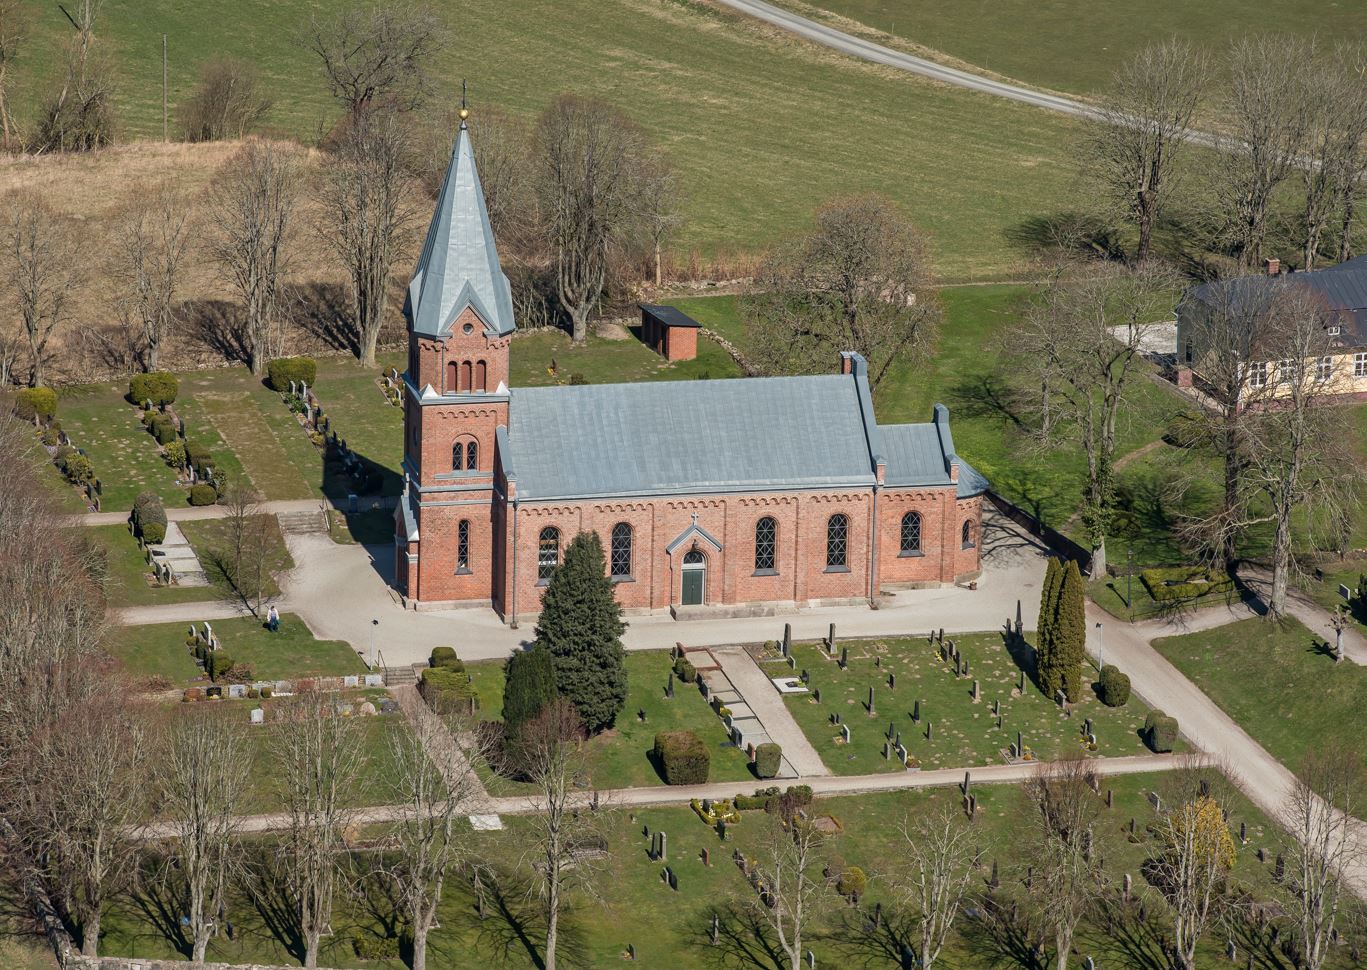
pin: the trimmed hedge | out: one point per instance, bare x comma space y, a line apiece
163, 428
851, 883
1160, 732
685, 671
217, 663
1114, 686
203, 495
149, 517
768, 758
198, 457
158, 387
76, 467
282, 370
682, 757
35, 402
1177, 583
446, 657
446, 690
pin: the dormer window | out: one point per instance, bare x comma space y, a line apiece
1335, 330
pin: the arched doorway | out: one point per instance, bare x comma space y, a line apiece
694, 578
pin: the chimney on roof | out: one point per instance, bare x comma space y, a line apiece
1274, 266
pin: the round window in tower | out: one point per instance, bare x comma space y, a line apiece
468, 328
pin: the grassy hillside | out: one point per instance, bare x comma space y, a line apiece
761, 128
1074, 45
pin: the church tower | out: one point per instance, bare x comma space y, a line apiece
459, 312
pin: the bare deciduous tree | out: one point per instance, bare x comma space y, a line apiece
1335, 134
1144, 123
1318, 816
81, 115
148, 264
374, 52
549, 752
1080, 347
12, 33
861, 281
200, 776
252, 212
318, 757
228, 101
791, 886
940, 851
369, 216
592, 166
435, 778
44, 269
1062, 819
1268, 108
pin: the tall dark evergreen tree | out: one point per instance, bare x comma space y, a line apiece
1070, 634
581, 625
1046, 629
529, 685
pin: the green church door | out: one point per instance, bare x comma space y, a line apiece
694, 578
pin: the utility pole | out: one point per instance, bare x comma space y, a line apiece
164, 128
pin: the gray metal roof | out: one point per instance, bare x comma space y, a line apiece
459, 265
1343, 288
670, 316
687, 436
920, 454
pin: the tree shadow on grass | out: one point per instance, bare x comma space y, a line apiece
323, 312
512, 931
744, 939
219, 326
263, 884
884, 944
158, 897
1118, 927
1000, 934
1069, 233
985, 395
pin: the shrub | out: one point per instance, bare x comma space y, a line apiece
447, 690
370, 947
50, 436
282, 370
685, 671
759, 800
152, 524
529, 686
158, 387
1115, 686
35, 402
77, 468
266, 692
851, 883
1179, 583
682, 758
174, 453
196, 451
203, 495
1160, 732
1183, 430
578, 380
445, 657
217, 664
768, 757
163, 428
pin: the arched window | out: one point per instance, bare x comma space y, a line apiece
837, 541
458, 457
463, 546
471, 457
482, 376
766, 540
968, 534
547, 552
451, 377
620, 559
465, 376
911, 533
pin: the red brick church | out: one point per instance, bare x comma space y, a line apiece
715, 497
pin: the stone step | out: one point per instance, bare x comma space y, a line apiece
400, 676
295, 523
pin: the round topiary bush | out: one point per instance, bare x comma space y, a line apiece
35, 402
153, 532
1114, 686
282, 370
1160, 732
768, 758
77, 468
158, 387
174, 453
682, 757
685, 671
202, 494
163, 428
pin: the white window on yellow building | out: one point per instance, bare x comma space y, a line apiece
1286, 371
1257, 374
1324, 369
1360, 365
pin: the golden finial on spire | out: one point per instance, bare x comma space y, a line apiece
464, 110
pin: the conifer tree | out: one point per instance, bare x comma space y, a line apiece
529, 685
581, 625
1070, 634
1045, 628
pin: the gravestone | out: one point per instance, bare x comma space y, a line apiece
892, 730
669, 686
374, 680
706, 858
1110, 797
930, 730
351, 680
916, 712
892, 681
844, 657
968, 782
631, 951
816, 693
806, 677
977, 692
995, 880
1020, 745
887, 750
845, 732
716, 929
830, 639
1231, 951
787, 639
237, 691
811, 960
664, 847
1128, 887
971, 805
1088, 963
1243, 833
258, 716
871, 710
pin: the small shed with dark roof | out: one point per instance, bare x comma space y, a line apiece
669, 332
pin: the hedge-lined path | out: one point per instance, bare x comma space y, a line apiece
683, 794
241, 425
759, 694
1316, 618
183, 513
1266, 781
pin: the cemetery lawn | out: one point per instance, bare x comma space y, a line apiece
159, 650
620, 757
211, 540
128, 572
963, 733
1277, 684
604, 360
369, 528
98, 420
670, 929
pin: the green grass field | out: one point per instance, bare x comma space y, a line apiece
128, 572
212, 542
159, 650
1073, 46
1277, 682
619, 758
99, 421
761, 128
962, 732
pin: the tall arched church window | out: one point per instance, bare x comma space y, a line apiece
837, 541
766, 542
547, 552
911, 533
620, 559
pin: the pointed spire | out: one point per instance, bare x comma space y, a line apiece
459, 265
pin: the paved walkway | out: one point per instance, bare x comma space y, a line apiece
447, 756
1316, 618
190, 513
1265, 781
768, 706
683, 794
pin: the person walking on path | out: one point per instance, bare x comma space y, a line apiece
273, 619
